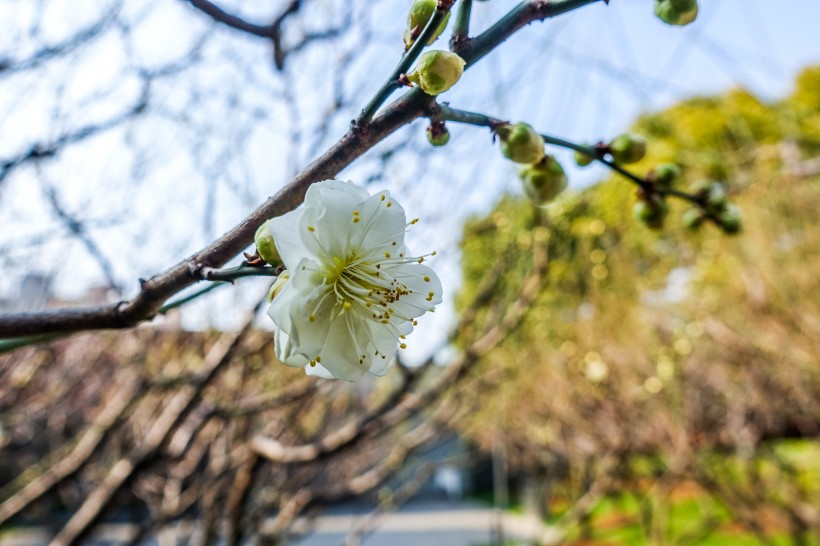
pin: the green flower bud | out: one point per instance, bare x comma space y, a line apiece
437, 71
544, 180
651, 211
521, 143
437, 134
693, 218
582, 160
731, 220
717, 199
665, 174
701, 188
420, 13
628, 148
676, 12
265, 245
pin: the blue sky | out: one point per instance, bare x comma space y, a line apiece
584, 75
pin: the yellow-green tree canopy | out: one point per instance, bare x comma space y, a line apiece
646, 341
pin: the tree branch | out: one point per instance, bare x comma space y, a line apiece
352, 145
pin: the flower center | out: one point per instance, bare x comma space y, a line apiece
369, 284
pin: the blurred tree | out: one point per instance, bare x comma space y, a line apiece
667, 347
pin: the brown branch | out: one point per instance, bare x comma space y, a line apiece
68, 464
122, 470
355, 143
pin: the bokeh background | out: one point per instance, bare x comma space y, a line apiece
621, 385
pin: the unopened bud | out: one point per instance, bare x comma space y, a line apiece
628, 148
437, 134
731, 220
265, 245
665, 174
278, 285
520, 143
717, 199
582, 160
693, 218
544, 180
420, 13
437, 71
651, 210
676, 12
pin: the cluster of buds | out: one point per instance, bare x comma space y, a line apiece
714, 205
420, 13
650, 208
542, 176
437, 71
676, 12
543, 181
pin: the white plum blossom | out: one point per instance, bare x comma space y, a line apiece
354, 291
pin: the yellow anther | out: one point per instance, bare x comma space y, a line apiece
421, 260
311, 229
382, 197
312, 363
403, 345
356, 220
318, 358
426, 278
414, 221
386, 254
347, 305
389, 204
312, 318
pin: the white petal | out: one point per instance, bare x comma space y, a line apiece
284, 350
329, 219
379, 366
319, 371
383, 222
288, 240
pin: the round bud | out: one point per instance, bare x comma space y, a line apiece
665, 174
693, 218
543, 181
651, 211
420, 13
676, 12
582, 160
627, 148
437, 71
731, 220
437, 134
265, 245
521, 143
717, 198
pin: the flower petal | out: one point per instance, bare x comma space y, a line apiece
288, 240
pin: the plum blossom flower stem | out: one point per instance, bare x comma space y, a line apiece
405, 63
446, 113
230, 274
461, 28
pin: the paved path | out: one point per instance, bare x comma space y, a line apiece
427, 523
